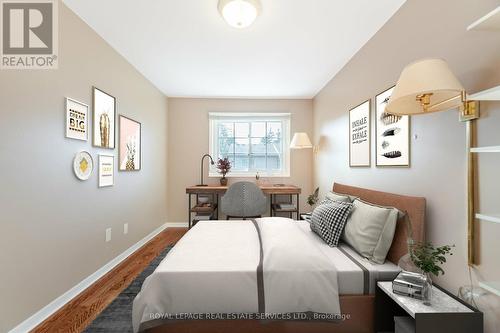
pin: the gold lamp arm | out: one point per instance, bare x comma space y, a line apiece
468, 109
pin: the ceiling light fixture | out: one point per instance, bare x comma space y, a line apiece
239, 13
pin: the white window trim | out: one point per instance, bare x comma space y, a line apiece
245, 116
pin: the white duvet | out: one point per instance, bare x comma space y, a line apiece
213, 269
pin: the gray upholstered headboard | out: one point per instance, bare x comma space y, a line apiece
414, 206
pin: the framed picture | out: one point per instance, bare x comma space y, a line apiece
129, 154
77, 114
106, 170
392, 134
83, 164
104, 111
359, 135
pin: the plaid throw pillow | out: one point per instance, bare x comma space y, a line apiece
328, 220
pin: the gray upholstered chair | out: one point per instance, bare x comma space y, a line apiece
243, 200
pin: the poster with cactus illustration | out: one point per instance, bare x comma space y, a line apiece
104, 109
392, 134
129, 154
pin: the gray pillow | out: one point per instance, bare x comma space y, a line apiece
370, 229
332, 196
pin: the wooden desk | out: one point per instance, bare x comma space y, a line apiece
216, 190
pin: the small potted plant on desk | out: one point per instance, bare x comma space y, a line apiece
223, 167
428, 258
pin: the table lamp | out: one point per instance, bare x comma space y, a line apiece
300, 140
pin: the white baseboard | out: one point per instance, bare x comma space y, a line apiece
59, 302
177, 224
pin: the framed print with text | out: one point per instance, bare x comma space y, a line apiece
106, 170
77, 115
392, 134
359, 135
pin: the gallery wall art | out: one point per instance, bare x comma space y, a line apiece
104, 111
83, 164
129, 155
77, 114
359, 135
106, 170
392, 134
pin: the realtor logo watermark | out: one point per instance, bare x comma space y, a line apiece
29, 34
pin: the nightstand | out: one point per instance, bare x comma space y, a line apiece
447, 313
306, 216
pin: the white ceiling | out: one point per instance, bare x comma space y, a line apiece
186, 49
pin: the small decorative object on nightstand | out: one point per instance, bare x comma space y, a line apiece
446, 314
406, 262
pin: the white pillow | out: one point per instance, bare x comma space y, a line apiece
370, 230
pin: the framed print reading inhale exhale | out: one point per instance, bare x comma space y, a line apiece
104, 110
359, 135
392, 134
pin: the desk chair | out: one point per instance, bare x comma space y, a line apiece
243, 200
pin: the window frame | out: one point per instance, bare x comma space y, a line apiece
216, 117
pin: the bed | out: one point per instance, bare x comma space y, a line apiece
267, 267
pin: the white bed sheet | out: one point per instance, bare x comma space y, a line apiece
350, 276
213, 269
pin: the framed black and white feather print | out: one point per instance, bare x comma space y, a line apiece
392, 134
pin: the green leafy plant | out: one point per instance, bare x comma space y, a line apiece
312, 199
429, 258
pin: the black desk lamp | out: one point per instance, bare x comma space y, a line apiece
211, 162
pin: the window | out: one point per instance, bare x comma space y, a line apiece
256, 142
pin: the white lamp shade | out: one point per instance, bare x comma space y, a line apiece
239, 13
427, 76
300, 140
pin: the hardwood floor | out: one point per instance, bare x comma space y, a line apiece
83, 309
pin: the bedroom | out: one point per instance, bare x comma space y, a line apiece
173, 72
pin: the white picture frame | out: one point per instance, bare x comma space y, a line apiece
106, 170
77, 115
359, 135
392, 135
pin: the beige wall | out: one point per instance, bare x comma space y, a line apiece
188, 141
53, 225
423, 28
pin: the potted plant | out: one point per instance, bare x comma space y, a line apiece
223, 167
312, 199
428, 259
